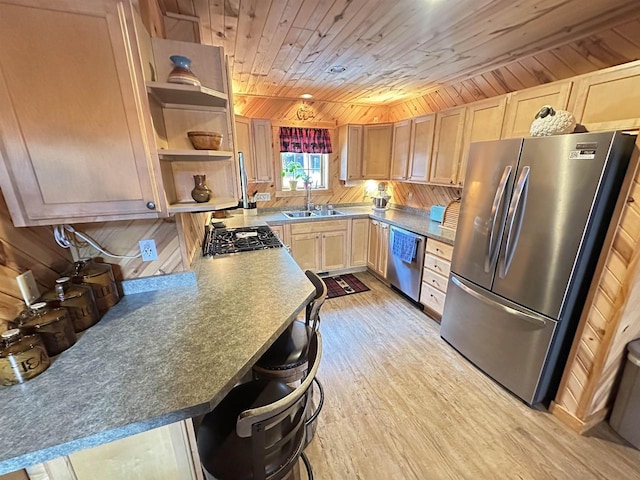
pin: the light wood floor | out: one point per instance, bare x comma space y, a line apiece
402, 404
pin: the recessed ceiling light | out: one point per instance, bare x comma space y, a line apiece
336, 69
306, 95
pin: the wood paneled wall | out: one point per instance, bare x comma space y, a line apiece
611, 321
23, 249
614, 46
121, 238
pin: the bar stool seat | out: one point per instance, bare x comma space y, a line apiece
286, 359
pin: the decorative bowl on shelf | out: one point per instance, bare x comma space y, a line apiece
205, 140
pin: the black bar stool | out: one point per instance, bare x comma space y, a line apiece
286, 359
258, 431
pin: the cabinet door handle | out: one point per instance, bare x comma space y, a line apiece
151, 205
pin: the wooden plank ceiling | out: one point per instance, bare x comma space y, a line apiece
395, 50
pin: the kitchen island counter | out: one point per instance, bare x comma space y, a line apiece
155, 358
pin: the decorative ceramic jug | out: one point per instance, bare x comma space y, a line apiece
200, 192
181, 72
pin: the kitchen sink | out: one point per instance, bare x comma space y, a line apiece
326, 213
315, 213
297, 214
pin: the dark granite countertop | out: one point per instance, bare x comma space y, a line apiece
155, 358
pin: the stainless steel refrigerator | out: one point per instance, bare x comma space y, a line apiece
532, 222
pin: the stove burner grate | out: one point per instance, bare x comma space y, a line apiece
222, 241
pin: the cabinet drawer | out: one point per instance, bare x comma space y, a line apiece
435, 280
439, 249
315, 227
437, 264
432, 298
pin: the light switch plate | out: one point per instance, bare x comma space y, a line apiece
28, 287
263, 197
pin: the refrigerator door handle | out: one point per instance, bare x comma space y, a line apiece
492, 246
514, 219
528, 316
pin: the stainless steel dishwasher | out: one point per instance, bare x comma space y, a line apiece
405, 261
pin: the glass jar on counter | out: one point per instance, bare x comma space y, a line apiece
99, 276
77, 299
21, 357
53, 325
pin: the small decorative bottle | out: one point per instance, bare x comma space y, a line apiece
181, 72
200, 193
21, 358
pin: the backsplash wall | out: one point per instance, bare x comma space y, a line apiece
23, 249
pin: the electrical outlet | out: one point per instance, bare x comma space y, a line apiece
263, 197
28, 287
148, 249
410, 196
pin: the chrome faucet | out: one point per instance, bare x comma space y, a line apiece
308, 202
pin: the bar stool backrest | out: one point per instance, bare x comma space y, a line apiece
274, 425
312, 316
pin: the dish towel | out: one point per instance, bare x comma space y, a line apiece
404, 246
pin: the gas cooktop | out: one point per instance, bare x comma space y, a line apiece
219, 240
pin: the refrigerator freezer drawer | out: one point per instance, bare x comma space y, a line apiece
508, 343
432, 298
436, 264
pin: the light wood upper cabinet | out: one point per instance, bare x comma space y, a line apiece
263, 149
75, 140
400, 150
350, 144
254, 141
523, 105
245, 145
422, 131
365, 151
376, 151
412, 149
609, 100
483, 122
447, 146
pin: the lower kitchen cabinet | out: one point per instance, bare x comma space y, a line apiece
165, 453
320, 246
378, 247
279, 231
359, 242
435, 276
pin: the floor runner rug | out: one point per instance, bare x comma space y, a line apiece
343, 285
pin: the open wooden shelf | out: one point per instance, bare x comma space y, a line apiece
174, 94
213, 204
194, 155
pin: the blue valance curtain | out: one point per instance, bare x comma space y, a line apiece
305, 140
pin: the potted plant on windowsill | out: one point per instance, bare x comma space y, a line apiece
294, 171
